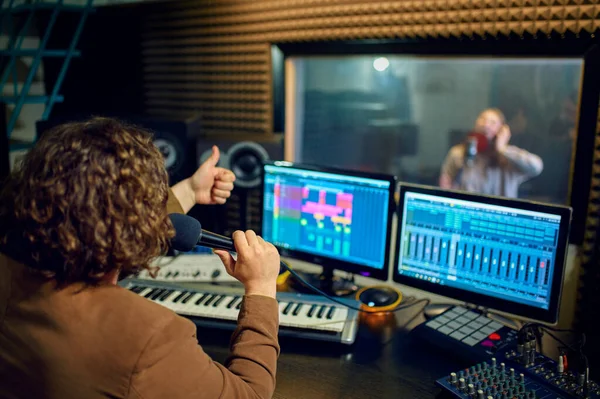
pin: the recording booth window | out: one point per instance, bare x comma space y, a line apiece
414, 116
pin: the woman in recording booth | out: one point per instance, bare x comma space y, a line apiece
89, 205
486, 163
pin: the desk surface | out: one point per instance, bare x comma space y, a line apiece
385, 362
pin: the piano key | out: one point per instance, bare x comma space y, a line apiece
199, 301
183, 293
230, 304
239, 305
145, 292
331, 312
209, 300
218, 301
311, 310
137, 289
164, 296
172, 294
149, 294
288, 307
186, 298
297, 309
158, 293
321, 311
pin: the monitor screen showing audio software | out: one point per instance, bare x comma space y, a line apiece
334, 215
510, 253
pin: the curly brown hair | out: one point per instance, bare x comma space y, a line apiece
89, 198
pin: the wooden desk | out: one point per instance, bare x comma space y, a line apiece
385, 362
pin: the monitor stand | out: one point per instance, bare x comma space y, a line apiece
326, 282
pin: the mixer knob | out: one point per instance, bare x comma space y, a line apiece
512, 373
522, 378
504, 396
461, 373
485, 366
478, 369
471, 389
502, 367
461, 383
494, 362
453, 379
480, 394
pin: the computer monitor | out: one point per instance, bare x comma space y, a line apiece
337, 219
494, 252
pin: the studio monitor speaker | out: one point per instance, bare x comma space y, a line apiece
171, 136
244, 155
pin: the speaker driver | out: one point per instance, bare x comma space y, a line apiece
245, 160
168, 151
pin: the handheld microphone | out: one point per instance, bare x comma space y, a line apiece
189, 233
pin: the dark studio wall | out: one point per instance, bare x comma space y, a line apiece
107, 78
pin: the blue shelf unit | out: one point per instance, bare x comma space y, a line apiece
26, 12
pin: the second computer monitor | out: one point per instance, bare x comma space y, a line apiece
334, 218
494, 252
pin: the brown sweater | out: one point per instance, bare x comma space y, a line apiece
107, 342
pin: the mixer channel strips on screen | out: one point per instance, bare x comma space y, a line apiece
467, 327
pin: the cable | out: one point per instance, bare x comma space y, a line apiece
318, 291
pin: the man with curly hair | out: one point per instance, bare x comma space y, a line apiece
90, 205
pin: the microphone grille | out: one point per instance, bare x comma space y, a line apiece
187, 232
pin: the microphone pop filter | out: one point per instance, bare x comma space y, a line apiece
187, 232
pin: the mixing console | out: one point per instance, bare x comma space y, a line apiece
505, 376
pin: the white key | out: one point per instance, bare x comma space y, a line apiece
189, 306
170, 304
145, 291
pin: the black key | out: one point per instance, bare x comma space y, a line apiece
157, 294
239, 305
230, 304
297, 309
136, 288
187, 298
287, 309
330, 313
150, 293
218, 301
210, 299
312, 310
203, 297
321, 311
165, 295
168, 274
140, 289
175, 274
178, 297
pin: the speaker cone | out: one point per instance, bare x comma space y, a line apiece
245, 160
